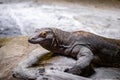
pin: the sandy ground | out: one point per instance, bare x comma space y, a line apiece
21, 17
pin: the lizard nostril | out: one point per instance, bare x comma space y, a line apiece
30, 40
14, 75
33, 38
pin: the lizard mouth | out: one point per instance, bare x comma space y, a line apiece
35, 40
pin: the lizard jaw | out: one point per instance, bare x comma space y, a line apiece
35, 40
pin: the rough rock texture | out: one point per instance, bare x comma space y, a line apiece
15, 51
11, 54
21, 17
54, 68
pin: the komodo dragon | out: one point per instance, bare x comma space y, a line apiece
85, 47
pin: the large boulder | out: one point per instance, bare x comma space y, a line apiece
52, 67
12, 50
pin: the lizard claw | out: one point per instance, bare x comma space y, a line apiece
66, 70
73, 71
41, 71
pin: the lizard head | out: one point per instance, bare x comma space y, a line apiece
43, 36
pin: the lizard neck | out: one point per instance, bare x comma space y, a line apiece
62, 37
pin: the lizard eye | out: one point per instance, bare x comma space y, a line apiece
43, 34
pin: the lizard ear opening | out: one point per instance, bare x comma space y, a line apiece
43, 34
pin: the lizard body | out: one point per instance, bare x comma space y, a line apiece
87, 48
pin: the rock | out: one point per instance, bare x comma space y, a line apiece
58, 75
22, 17
8, 26
12, 53
16, 51
53, 68
7, 32
106, 73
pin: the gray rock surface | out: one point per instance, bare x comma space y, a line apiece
53, 69
22, 17
11, 54
15, 53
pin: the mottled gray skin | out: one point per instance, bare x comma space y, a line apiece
85, 47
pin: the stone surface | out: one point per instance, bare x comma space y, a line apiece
52, 68
22, 17
11, 54
15, 52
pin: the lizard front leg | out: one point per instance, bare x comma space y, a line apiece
83, 63
24, 70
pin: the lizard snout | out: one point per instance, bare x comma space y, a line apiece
32, 40
35, 40
29, 40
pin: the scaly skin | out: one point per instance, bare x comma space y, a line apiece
85, 47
